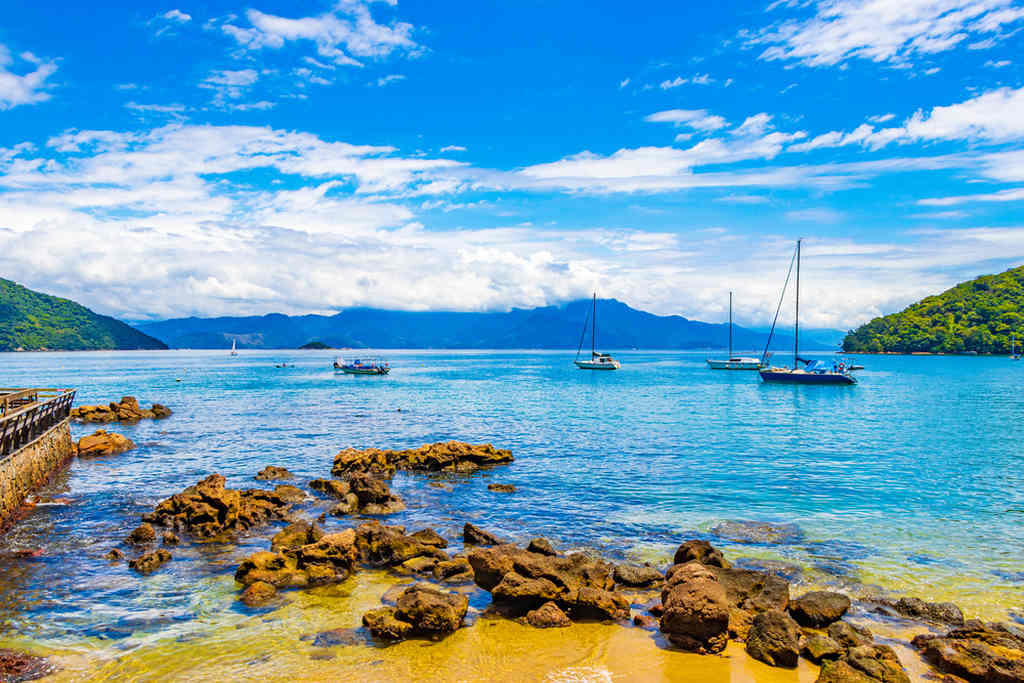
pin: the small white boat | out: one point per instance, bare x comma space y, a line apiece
233, 352
736, 362
598, 361
374, 366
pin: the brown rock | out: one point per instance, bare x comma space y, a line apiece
818, 648
865, 664
631, 575
389, 546
101, 443
383, 624
501, 488
295, 535
645, 621
849, 636
452, 456
547, 615
127, 410
270, 473
277, 569
170, 539
542, 546
419, 565
933, 612
348, 506
977, 652
818, 609
142, 535
740, 622
474, 535
696, 615
22, 666
431, 611
596, 603
429, 537
455, 570
331, 487
774, 639
699, 551
208, 509
150, 562
289, 494
258, 594
114, 555
752, 590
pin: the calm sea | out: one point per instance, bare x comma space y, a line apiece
912, 481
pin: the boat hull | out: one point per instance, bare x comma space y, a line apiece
789, 377
365, 371
588, 365
733, 365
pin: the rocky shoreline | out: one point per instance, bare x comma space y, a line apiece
698, 603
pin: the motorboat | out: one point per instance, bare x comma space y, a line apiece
358, 366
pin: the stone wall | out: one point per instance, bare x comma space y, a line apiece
30, 467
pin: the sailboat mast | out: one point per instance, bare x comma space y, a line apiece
796, 328
730, 325
593, 335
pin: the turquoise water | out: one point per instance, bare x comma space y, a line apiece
911, 481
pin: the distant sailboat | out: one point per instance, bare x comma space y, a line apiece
598, 361
734, 362
813, 372
233, 352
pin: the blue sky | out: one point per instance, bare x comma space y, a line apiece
160, 160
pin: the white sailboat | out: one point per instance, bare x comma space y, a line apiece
233, 352
598, 361
735, 362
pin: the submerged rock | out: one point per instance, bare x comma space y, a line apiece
774, 639
547, 615
745, 531
977, 652
23, 666
258, 594
141, 535
115, 555
818, 609
208, 509
150, 562
696, 609
420, 610
451, 456
501, 488
271, 472
934, 612
102, 442
474, 535
127, 410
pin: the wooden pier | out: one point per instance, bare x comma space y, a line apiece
35, 443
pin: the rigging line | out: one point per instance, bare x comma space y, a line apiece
583, 334
779, 308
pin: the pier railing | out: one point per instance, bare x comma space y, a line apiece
25, 414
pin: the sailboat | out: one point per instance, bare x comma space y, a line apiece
734, 362
598, 361
233, 352
813, 372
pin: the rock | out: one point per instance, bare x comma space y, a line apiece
431, 611
429, 537
501, 488
745, 531
977, 652
170, 539
270, 473
101, 443
542, 546
114, 555
150, 562
740, 622
641, 577
934, 612
331, 487
474, 535
699, 551
141, 535
208, 509
645, 621
373, 495
258, 594
329, 559
774, 639
289, 494
419, 565
865, 664
818, 648
547, 615
295, 535
127, 410
849, 636
452, 456
696, 615
383, 624
22, 666
753, 591
348, 506
818, 609
455, 570
597, 603
389, 546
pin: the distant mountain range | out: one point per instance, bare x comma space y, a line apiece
31, 321
548, 327
982, 315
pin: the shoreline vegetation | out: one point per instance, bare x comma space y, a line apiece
700, 603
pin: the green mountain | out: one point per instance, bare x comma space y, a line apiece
31, 321
981, 316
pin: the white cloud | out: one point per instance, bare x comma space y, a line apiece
452, 148
815, 215
389, 79
698, 119
1015, 194
623, 83
229, 85
176, 16
342, 36
998, 65
881, 118
27, 87
884, 31
168, 21
699, 79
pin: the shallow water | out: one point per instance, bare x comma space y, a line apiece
911, 482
